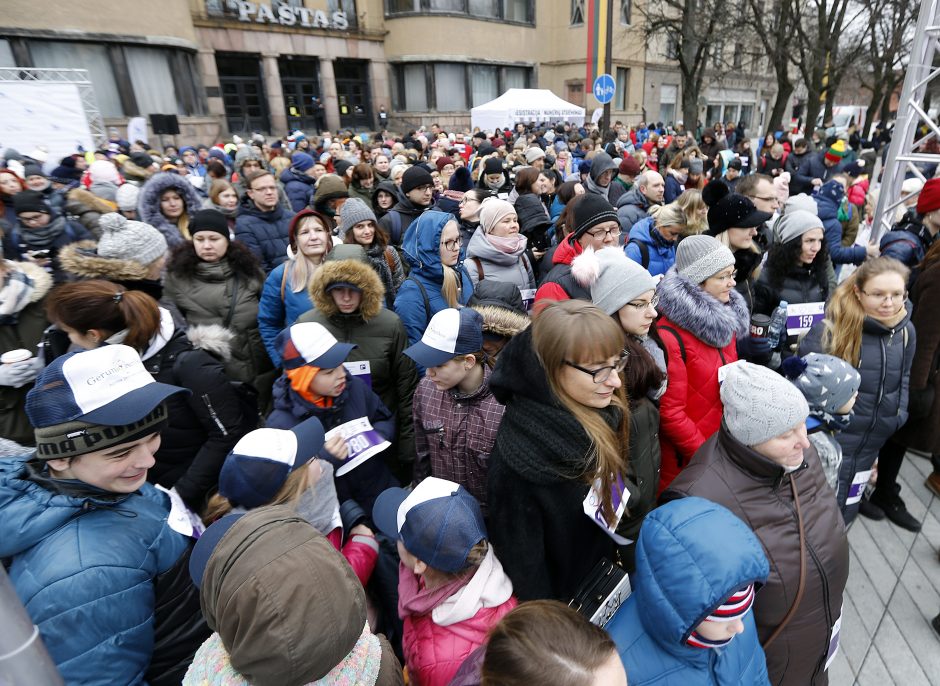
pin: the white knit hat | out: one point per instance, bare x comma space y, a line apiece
614, 279
126, 197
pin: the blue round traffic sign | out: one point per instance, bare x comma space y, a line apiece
604, 88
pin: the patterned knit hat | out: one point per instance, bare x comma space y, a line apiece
836, 152
759, 404
735, 607
827, 382
701, 257
125, 239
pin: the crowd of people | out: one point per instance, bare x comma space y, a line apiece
382, 409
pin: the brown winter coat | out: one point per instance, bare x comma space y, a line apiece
759, 492
923, 433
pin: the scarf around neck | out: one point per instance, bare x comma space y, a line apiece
16, 290
300, 380
41, 238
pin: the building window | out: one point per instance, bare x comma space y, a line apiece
152, 77
738, 60
672, 48
88, 56
626, 10
577, 12
450, 87
347, 6
521, 11
455, 86
623, 87
6, 54
668, 95
717, 54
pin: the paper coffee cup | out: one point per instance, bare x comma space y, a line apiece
14, 356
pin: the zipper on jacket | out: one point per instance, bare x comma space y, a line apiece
881, 391
212, 413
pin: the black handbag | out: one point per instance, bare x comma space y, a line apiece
602, 592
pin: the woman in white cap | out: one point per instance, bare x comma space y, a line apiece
703, 316
761, 467
626, 291
497, 249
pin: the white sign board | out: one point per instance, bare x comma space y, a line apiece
36, 113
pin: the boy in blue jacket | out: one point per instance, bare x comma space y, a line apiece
688, 621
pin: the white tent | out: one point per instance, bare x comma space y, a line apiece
524, 105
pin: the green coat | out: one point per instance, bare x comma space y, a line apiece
23, 331
380, 338
204, 291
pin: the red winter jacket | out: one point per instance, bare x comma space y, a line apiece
559, 284
434, 653
361, 552
690, 409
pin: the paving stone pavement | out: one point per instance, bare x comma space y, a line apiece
893, 593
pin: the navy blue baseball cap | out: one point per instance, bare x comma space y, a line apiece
438, 522
261, 461
108, 386
202, 551
450, 333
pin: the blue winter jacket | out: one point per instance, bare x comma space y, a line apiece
276, 313
673, 189
691, 555
828, 197
662, 254
84, 568
421, 248
299, 188
264, 233
364, 483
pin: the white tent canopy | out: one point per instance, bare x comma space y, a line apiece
524, 105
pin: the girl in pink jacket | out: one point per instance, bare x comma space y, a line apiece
451, 587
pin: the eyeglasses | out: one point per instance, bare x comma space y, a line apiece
887, 297
601, 374
30, 219
465, 200
765, 198
610, 232
640, 306
452, 245
726, 277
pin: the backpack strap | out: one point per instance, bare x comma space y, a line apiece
480, 275
678, 338
395, 220
644, 252
424, 296
390, 261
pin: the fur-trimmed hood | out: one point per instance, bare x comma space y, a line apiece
502, 321
184, 262
214, 339
687, 305
148, 203
88, 199
355, 272
81, 259
133, 171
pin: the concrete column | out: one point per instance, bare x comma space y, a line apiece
273, 92
379, 85
210, 81
328, 94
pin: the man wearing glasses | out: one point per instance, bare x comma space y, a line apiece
595, 225
39, 234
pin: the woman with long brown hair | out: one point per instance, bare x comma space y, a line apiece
561, 450
203, 425
868, 324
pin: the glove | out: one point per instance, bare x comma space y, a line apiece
754, 349
18, 374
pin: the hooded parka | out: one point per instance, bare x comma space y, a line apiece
380, 338
760, 492
148, 204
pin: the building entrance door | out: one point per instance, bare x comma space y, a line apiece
353, 93
300, 82
242, 92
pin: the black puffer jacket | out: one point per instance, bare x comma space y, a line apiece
881, 407
800, 285
536, 487
759, 492
643, 470
204, 425
533, 220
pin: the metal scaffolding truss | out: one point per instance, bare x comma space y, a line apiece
79, 77
903, 152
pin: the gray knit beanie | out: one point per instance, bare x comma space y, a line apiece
800, 201
795, 223
125, 239
126, 197
354, 211
759, 404
827, 382
700, 257
614, 278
